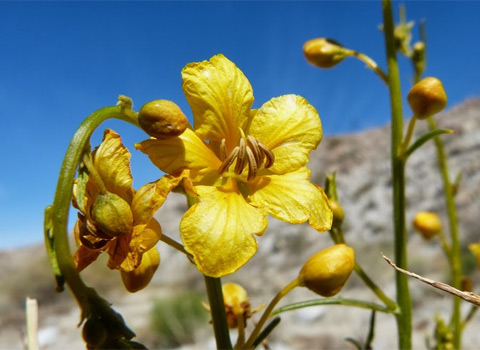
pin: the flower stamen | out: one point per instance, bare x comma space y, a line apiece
268, 154
241, 159
252, 165
253, 144
223, 150
228, 161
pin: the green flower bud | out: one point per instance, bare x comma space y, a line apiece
112, 215
427, 97
94, 333
326, 272
324, 53
162, 119
427, 224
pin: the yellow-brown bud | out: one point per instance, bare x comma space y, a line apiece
338, 214
162, 119
324, 53
112, 215
427, 97
94, 333
427, 224
237, 304
140, 277
326, 272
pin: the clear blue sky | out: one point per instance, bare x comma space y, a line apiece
60, 61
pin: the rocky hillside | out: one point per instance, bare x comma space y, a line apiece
362, 163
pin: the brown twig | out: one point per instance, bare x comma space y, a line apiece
468, 296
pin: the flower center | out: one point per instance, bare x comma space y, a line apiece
249, 151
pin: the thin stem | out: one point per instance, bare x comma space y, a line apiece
471, 313
241, 331
217, 310
334, 301
268, 311
372, 65
337, 236
408, 136
455, 249
173, 243
63, 195
404, 318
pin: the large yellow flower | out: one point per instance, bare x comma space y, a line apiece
116, 219
244, 164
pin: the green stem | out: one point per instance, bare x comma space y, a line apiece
268, 311
372, 65
217, 310
408, 136
455, 249
334, 301
63, 196
404, 318
337, 236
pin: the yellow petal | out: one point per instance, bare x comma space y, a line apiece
220, 97
150, 197
187, 151
142, 275
292, 198
112, 161
218, 230
291, 128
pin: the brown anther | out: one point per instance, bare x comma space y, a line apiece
241, 158
253, 144
228, 161
268, 154
223, 150
252, 165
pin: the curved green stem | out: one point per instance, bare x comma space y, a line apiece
217, 310
58, 213
337, 236
372, 65
455, 249
334, 301
268, 311
404, 318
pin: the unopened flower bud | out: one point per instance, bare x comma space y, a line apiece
427, 224
326, 272
237, 304
112, 215
140, 277
162, 119
418, 57
427, 97
324, 53
338, 214
94, 333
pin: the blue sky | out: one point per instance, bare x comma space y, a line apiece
60, 61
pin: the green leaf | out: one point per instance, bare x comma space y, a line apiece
422, 140
50, 245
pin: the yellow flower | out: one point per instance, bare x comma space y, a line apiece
113, 217
244, 164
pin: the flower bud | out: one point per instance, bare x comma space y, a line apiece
324, 53
112, 215
326, 272
237, 304
427, 97
418, 57
338, 214
427, 224
94, 333
162, 119
140, 277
